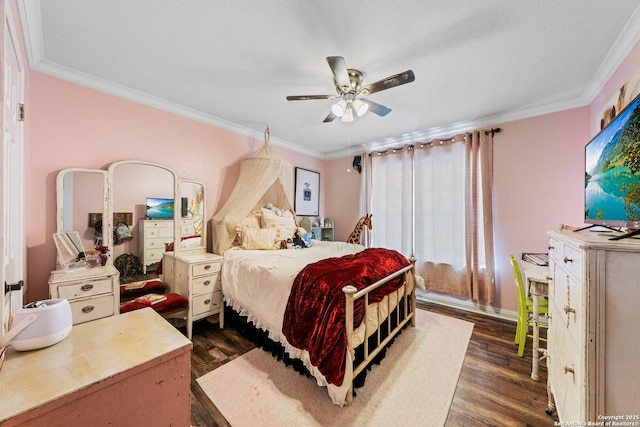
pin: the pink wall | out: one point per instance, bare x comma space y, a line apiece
342, 196
538, 185
74, 126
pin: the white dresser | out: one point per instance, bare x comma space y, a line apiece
593, 341
93, 293
197, 278
155, 234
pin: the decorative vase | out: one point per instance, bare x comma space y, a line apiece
103, 259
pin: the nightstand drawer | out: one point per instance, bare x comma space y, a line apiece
85, 289
204, 303
208, 283
86, 309
205, 268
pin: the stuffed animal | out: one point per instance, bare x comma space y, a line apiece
302, 239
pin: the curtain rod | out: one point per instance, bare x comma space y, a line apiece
491, 131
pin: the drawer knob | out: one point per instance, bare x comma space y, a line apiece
568, 370
568, 309
207, 282
87, 287
207, 301
87, 309
207, 267
550, 247
566, 260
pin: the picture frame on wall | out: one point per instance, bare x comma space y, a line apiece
307, 195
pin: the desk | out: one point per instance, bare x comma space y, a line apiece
538, 287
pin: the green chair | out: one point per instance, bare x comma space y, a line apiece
525, 309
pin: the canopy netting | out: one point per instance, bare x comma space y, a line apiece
264, 178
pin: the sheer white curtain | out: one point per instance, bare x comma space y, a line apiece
433, 201
391, 201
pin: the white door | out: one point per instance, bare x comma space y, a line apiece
11, 170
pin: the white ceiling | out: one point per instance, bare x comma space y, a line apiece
232, 63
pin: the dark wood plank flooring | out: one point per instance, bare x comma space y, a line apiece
495, 387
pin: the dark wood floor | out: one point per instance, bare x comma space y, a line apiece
495, 387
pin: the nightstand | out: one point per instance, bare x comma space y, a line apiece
197, 278
93, 293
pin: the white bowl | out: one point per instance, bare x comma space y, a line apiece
52, 325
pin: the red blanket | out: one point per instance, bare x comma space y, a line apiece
314, 317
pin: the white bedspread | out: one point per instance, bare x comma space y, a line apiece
257, 284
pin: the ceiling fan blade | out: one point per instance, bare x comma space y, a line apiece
340, 73
376, 108
331, 117
389, 82
308, 97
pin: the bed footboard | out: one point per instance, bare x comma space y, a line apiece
399, 315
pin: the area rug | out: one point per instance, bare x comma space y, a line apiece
414, 384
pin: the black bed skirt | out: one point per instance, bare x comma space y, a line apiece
261, 339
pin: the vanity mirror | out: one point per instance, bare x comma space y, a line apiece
147, 190
159, 212
82, 201
192, 220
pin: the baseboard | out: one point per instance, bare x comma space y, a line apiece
467, 305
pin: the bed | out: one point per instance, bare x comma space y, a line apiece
259, 285
258, 276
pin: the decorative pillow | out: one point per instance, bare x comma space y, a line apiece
253, 220
285, 224
260, 238
142, 287
173, 302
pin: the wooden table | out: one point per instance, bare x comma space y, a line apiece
129, 369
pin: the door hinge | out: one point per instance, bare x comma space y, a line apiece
13, 286
21, 112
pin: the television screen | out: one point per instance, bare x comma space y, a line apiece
159, 208
185, 207
612, 172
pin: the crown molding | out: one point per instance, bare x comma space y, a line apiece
30, 15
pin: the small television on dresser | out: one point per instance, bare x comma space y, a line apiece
612, 173
159, 208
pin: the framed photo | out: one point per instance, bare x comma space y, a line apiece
307, 197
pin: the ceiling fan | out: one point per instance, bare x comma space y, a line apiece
351, 93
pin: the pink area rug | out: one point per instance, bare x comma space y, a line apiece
414, 384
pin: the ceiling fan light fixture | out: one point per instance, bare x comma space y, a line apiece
347, 117
360, 107
339, 108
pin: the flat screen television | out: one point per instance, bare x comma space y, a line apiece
159, 208
612, 173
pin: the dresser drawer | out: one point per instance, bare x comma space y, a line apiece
187, 227
572, 261
164, 230
86, 309
565, 366
153, 255
205, 303
157, 243
205, 268
206, 283
85, 289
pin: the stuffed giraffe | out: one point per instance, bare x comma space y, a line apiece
365, 221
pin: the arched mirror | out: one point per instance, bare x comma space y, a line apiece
144, 205
82, 204
192, 217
